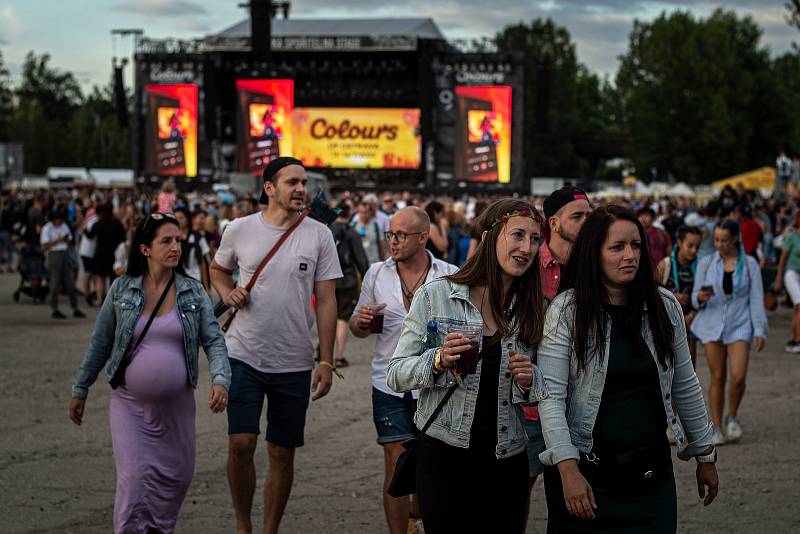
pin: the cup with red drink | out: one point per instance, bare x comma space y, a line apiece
376, 324
467, 364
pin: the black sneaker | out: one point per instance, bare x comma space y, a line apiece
78, 314
58, 315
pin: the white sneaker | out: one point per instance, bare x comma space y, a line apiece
733, 430
717, 438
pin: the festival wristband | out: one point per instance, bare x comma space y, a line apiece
333, 367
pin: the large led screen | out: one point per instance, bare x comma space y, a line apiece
171, 135
357, 138
483, 133
263, 122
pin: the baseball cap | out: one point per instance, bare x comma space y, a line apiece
560, 198
272, 169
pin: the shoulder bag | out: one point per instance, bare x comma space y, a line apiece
404, 480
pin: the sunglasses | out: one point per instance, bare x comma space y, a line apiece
158, 216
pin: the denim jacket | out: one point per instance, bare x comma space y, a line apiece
739, 317
411, 367
568, 414
118, 317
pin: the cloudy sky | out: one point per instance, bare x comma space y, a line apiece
76, 32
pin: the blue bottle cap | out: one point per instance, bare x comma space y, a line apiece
432, 326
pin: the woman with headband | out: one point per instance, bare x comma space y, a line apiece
467, 344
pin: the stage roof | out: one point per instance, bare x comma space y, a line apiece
422, 28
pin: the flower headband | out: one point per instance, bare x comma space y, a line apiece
517, 213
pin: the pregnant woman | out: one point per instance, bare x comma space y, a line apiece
147, 336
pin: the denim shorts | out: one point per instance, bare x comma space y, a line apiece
393, 416
287, 402
533, 429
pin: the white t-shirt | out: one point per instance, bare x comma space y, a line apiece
190, 265
88, 245
382, 285
51, 232
273, 332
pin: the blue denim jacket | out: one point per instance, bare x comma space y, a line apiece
117, 319
411, 368
569, 412
740, 317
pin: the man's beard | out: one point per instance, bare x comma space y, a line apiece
565, 236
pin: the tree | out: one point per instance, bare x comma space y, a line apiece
6, 103
47, 98
694, 94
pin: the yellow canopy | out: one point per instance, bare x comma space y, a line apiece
763, 178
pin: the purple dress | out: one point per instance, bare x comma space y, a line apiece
152, 430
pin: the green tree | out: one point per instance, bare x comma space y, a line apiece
47, 98
6, 103
694, 94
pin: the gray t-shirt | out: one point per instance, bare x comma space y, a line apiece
273, 332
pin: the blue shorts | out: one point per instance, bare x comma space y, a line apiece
533, 429
287, 402
393, 416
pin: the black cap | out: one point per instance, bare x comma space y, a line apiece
272, 169
560, 198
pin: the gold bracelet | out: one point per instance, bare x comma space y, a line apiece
333, 367
437, 361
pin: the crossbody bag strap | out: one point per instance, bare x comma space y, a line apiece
438, 410
265, 261
152, 315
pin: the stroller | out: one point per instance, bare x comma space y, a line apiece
33, 274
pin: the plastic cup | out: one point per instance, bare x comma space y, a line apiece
376, 324
467, 364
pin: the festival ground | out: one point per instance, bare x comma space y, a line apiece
56, 477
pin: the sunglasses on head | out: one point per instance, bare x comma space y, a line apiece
158, 216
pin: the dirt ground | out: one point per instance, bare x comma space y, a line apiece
56, 477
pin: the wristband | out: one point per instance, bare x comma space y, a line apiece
333, 368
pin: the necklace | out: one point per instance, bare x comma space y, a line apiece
409, 294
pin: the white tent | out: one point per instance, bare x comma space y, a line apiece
680, 190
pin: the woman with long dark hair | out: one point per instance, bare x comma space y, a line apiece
147, 336
478, 327
614, 356
437, 242
729, 294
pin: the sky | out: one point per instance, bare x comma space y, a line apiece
76, 33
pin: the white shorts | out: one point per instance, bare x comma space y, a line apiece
791, 281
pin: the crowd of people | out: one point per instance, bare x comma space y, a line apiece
514, 337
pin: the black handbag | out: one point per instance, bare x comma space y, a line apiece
119, 375
404, 480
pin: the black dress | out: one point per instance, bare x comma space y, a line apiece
470, 490
630, 417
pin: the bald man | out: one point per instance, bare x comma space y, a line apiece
409, 267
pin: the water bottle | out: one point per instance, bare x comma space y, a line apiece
431, 339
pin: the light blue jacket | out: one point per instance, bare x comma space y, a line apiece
118, 317
740, 317
569, 412
411, 367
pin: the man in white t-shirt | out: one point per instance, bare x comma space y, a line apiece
269, 342
393, 283
55, 240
